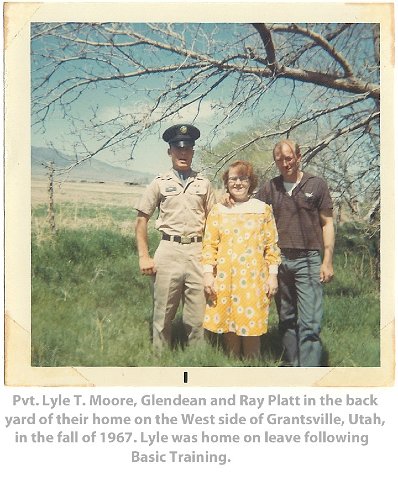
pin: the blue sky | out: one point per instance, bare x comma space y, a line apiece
150, 155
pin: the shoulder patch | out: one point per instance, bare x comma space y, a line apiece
201, 176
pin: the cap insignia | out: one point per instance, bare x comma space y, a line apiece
183, 129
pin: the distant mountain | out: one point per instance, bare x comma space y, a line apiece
89, 171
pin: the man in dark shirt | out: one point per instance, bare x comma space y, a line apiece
303, 212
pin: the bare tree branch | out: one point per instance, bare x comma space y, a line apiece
321, 41
266, 38
326, 141
318, 83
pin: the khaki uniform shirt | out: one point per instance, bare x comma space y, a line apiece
182, 208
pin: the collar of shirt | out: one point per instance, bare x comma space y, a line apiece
183, 175
290, 186
306, 176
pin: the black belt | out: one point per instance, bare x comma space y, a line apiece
183, 240
297, 252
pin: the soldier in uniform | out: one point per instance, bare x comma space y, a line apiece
184, 198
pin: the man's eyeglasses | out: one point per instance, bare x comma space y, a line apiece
243, 179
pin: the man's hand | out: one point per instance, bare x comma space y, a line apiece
271, 285
147, 266
227, 200
326, 273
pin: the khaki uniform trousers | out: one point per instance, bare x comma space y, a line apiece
179, 278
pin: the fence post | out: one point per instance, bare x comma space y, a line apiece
50, 189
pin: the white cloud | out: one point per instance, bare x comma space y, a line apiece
142, 111
191, 111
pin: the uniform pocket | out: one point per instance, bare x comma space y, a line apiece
197, 189
196, 197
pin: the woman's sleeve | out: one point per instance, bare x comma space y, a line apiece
211, 240
272, 252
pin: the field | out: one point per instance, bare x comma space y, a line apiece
92, 307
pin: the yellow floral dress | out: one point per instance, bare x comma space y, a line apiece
239, 246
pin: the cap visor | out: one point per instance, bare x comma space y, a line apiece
183, 143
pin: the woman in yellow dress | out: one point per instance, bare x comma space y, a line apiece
240, 258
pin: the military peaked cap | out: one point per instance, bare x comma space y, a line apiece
182, 135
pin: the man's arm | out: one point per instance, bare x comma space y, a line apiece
147, 265
326, 219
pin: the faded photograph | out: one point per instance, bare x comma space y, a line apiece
142, 131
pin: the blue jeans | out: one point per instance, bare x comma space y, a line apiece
299, 304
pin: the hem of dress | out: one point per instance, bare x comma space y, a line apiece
232, 331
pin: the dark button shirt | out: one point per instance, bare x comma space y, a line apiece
297, 216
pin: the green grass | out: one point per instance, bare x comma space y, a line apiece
92, 307
352, 312
72, 210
